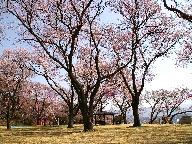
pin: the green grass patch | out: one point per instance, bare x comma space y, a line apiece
149, 134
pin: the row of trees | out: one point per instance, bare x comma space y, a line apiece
22, 99
68, 43
167, 103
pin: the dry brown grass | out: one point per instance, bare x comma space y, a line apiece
149, 134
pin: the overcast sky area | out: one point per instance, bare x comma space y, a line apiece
168, 75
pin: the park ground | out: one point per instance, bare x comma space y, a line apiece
107, 134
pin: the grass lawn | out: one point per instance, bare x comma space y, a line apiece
149, 134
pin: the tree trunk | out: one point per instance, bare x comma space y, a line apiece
124, 118
8, 122
151, 117
136, 114
87, 119
8, 117
71, 115
151, 121
38, 121
88, 125
45, 121
71, 118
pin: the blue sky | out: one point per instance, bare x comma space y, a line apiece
168, 75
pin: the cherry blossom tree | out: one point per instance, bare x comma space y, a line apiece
174, 101
117, 91
145, 34
38, 98
13, 77
53, 78
72, 104
156, 101
68, 35
167, 103
40, 103
123, 103
70, 98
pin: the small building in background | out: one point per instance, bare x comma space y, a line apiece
186, 120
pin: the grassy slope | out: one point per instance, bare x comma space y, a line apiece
103, 134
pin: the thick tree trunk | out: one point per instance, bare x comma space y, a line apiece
87, 119
71, 118
136, 114
71, 115
88, 125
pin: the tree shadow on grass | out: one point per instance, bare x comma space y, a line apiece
40, 133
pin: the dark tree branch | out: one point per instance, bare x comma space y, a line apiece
183, 15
